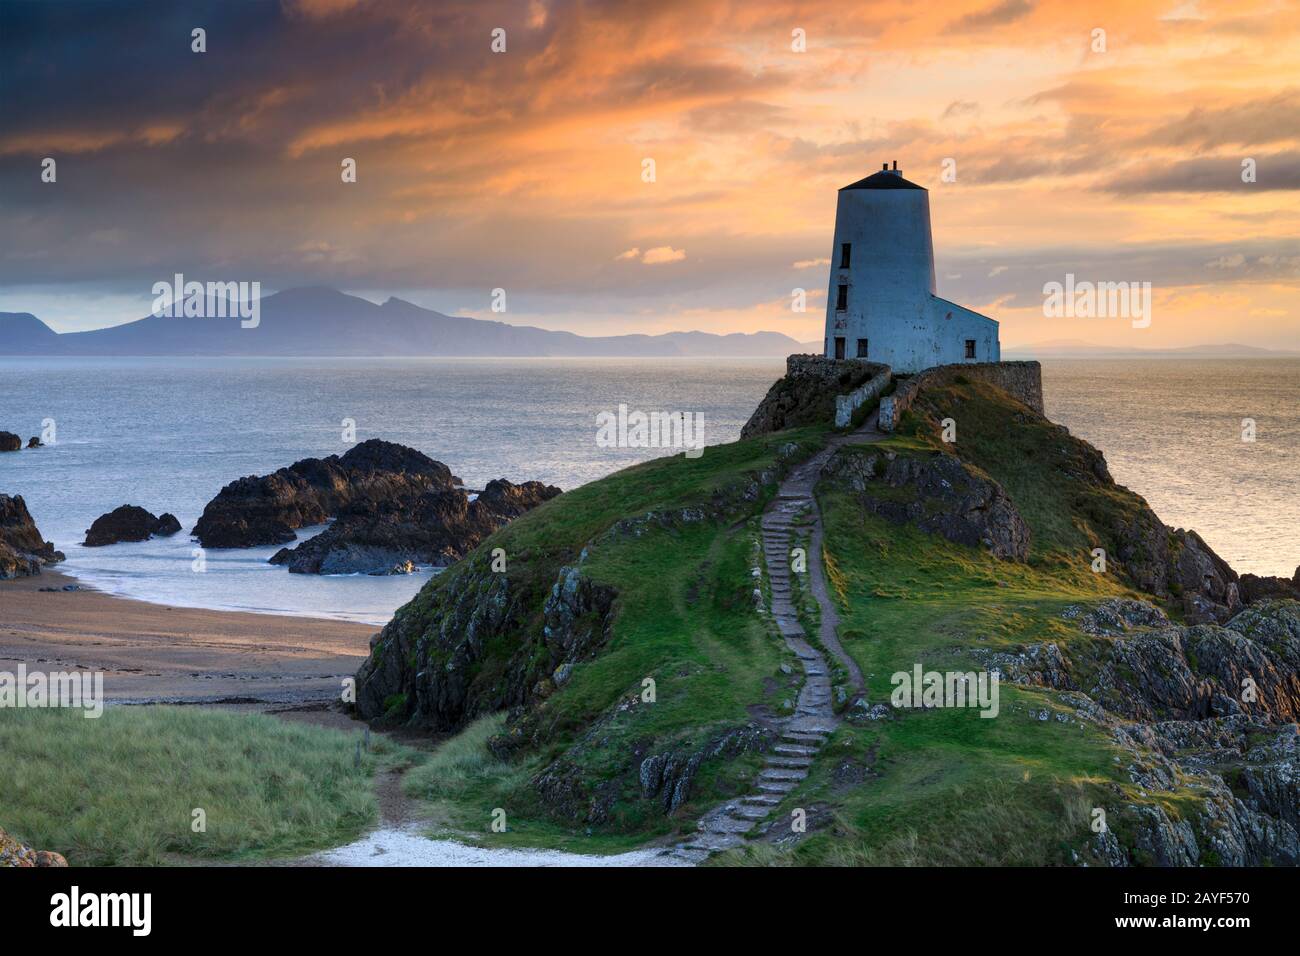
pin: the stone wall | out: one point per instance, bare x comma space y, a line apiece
1022, 380
808, 393
846, 405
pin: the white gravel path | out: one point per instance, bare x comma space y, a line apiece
393, 847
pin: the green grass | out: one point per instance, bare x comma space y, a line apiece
945, 786
684, 617
939, 786
121, 789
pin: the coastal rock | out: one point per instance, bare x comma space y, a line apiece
1249, 666
35, 442
16, 853
938, 494
129, 523
266, 510
1254, 588
22, 550
438, 528
10, 442
426, 664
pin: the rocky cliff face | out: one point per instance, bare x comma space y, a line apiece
938, 494
1206, 711
266, 510
428, 663
22, 549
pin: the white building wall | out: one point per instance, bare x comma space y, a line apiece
891, 287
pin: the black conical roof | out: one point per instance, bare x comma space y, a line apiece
884, 179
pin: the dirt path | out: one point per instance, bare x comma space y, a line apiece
806, 732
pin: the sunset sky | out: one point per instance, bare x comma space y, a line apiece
523, 169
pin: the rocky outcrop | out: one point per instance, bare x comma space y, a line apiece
22, 550
1245, 778
939, 494
430, 660
10, 442
807, 393
16, 853
428, 663
129, 523
1205, 710
1149, 669
392, 536
266, 510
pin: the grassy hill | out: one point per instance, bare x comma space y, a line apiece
646, 581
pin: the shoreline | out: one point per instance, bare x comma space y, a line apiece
158, 653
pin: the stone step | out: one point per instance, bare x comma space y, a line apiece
776, 786
688, 855
753, 812
784, 761
798, 737
783, 774
761, 799
795, 750
713, 842
725, 823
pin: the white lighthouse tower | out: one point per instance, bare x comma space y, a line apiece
881, 305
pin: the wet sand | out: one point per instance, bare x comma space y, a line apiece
156, 653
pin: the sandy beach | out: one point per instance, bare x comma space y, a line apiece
156, 653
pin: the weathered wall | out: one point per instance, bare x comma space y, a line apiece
807, 394
846, 405
1022, 380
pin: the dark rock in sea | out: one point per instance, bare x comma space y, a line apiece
129, 523
391, 537
22, 550
1255, 588
265, 510
34, 442
10, 442
938, 494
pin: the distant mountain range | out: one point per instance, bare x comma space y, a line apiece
320, 321
1074, 348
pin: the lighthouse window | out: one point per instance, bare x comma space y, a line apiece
839, 347
846, 254
970, 348
862, 348
842, 299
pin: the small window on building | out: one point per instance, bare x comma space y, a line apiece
842, 299
839, 347
862, 348
970, 348
846, 254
